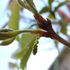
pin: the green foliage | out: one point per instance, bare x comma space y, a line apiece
52, 15
60, 4
49, 8
8, 34
28, 4
4, 34
28, 51
14, 19
45, 9
27, 41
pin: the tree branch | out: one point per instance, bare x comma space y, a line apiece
47, 26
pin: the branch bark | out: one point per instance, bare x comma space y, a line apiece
47, 26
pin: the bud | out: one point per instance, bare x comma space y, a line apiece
7, 33
35, 49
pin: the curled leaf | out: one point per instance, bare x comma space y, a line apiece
5, 34
45, 9
7, 41
2, 33
60, 4
28, 4
27, 41
29, 46
52, 15
8, 33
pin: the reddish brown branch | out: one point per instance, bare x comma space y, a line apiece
46, 25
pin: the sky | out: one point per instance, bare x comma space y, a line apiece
47, 53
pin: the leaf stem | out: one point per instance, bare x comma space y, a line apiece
37, 31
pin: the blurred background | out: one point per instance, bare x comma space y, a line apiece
51, 54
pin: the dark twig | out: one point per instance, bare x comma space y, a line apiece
47, 26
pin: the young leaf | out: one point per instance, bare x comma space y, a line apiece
6, 35
7, 41
29, 43
28, 4
14, 19
52, 15
44, 10
25, 41
50, 2
60, 4
2, 34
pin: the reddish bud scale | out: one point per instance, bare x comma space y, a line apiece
44, 24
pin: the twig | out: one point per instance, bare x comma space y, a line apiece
46, 25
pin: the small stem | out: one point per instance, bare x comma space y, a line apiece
38, 31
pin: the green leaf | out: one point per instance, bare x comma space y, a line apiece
24, 42
28, 4
60, 4
14, 19
29, 43
50, 2
3, 35
52, 15
6, 35
18, 54
7, 41
26, 39
44, 10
